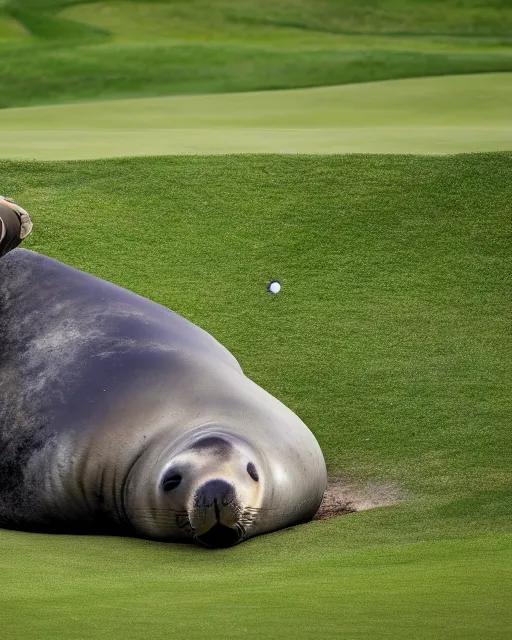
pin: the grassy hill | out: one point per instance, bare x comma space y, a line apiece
64, 50
389, 339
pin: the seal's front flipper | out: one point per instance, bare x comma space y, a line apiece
15, 225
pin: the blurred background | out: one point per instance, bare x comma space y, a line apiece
69, 52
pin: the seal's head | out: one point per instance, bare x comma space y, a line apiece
210, 486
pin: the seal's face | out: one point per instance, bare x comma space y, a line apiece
210, 488
216, 480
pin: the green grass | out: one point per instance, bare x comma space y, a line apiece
301, 584
80, 51
398, 116
390, 339
396, 275
10, 29
248, 18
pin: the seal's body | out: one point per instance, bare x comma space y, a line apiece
119, 416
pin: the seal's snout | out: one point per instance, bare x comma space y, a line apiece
215, 514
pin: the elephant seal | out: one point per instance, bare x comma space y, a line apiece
119, 416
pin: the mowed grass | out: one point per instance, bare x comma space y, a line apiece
301, 583
390, 339
396, 116
55, 51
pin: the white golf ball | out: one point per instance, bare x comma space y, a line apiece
274, 287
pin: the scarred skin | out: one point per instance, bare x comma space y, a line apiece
120, 416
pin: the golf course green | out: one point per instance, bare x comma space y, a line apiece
361, 154
394, 116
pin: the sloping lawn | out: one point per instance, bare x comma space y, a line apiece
390, 339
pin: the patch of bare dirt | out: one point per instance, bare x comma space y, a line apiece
342, 497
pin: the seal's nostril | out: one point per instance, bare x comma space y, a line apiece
215, 491
171, 481
251, 470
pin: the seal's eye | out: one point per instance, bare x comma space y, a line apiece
251, 470
171, 482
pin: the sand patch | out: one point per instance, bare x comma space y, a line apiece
343, 497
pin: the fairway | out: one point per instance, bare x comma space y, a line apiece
390, 339
396, 116
305, 583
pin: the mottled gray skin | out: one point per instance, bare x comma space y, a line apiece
105, 395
